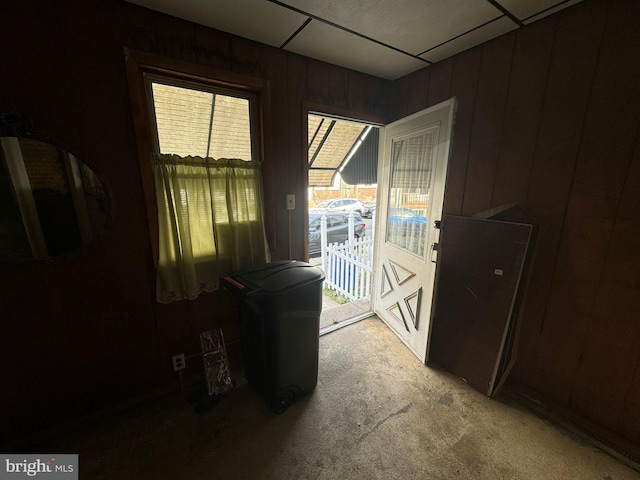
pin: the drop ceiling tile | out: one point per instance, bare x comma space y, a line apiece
524, 10
412, 26
483, 34
324, 42
261, 21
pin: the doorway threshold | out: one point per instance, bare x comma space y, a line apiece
345, 323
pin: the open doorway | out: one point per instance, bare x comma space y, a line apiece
342, 200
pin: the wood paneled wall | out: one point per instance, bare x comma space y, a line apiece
548, 117
86, 333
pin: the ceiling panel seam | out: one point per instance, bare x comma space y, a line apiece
306, 22
462, 34
506, 12
524, 20
344, 29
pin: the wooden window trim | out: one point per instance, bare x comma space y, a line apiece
137, 64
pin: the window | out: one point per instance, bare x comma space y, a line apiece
337, 220
193, 120
412, 161
199, 150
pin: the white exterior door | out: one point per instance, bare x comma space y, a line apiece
414, 153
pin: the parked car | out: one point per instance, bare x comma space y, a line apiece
340, 205
407, 229
405, 216
369, 210
337, 228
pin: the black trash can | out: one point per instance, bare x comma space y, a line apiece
279, 306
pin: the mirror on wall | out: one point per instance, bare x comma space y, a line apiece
51, 203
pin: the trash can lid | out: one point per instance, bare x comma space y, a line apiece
278, 276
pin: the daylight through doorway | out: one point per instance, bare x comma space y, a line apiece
342, 198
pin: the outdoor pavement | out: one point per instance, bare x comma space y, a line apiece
334, 312
339, 313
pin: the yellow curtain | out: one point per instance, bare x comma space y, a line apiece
211, 222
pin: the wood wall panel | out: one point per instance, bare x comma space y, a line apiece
298, 79
94, 320
601, 170
529, 71
245, 56
317, 76
553, 126
563, 119
361, 96
440, 75
464, 86
276, 134
417, 83
620, 297
491, 97
603, 206
175, 38
28, 83
338, 95
129, 320
212, 48
37, 350
138, 33
522, 127
368, 97
92, 341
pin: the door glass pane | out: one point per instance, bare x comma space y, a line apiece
412, 160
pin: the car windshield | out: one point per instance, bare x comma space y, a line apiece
315, 219
324, 203
314, 222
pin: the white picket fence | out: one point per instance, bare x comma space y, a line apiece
348, 266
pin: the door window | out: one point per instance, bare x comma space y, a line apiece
412, 160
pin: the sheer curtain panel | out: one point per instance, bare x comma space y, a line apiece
210, 221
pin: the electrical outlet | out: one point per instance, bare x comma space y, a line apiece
178, 362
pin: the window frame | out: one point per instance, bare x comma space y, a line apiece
252, 97
141, 65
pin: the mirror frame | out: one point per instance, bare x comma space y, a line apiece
13, 124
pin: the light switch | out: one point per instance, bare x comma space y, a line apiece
291, 201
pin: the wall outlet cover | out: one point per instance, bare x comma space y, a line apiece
178, 362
